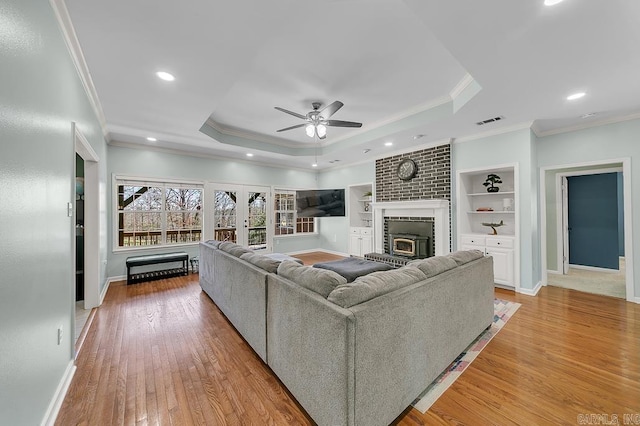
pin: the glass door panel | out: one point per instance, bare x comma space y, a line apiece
256, 220
225, 216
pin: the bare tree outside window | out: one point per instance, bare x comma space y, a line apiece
158, 215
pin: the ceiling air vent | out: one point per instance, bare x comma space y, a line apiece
490, 120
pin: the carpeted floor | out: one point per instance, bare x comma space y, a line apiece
504, 310
590, 281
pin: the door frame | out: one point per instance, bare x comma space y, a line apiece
628, 215
91, 218
562, 195
241, 207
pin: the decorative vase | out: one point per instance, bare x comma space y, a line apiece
493, 189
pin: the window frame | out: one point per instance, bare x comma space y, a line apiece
164, 183
280, 190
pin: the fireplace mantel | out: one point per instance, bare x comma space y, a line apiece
438, 209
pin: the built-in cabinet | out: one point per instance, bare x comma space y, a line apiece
501, 248
487, 220
360, 219
360, 241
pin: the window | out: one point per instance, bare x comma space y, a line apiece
157, 213
286, 220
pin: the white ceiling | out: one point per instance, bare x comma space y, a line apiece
401, 67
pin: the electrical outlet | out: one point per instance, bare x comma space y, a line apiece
59, 335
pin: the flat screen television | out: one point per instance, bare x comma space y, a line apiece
320, 203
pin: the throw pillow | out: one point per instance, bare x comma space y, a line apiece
465, 256
435, 265
321, 281
263, 262
375, 284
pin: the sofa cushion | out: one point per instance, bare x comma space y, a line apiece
435, 265
465, 256
375, 284
321, 281
233, 248
263, 262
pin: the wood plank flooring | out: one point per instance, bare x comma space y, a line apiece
162, 353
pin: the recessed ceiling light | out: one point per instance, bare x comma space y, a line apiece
388, 144
314, 165
366, 151
551, 2
419, 136
163, 75
249, 154
150, 139
590, 114
575, 96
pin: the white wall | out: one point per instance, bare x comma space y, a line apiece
40, 95
604, 144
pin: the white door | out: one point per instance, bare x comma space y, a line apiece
502, 265
241, 215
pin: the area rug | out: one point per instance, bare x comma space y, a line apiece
503, 311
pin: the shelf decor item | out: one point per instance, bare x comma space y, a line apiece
493, 226
491, 181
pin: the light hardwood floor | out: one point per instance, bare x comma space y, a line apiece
162, 353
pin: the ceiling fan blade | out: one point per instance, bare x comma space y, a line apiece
292, 127
331, 109
295, 114
340, 123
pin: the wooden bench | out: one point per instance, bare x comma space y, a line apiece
157, 259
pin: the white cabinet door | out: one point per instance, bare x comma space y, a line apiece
502, 265
366, 244
354, 244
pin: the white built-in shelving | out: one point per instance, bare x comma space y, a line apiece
477, 208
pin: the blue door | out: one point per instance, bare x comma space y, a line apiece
593, 220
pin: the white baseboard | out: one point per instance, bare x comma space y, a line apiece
531, 291
594, 268
58, 397
108, 283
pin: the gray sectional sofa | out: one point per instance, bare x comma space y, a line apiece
352, 353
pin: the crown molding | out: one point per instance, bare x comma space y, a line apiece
500, 131
73, 45
461, 86
245, 134
611, 120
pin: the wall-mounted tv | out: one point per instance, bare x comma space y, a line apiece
320, 203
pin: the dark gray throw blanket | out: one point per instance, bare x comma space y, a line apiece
352, 267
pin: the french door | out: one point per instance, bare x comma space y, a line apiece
241, 214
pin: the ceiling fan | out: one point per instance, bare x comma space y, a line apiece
317, 120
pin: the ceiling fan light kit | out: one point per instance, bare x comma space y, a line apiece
318, 120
